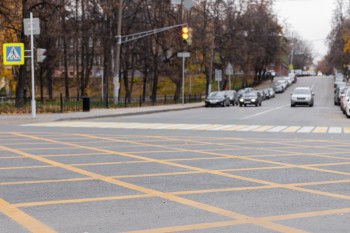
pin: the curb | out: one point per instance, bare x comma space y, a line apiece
128, 113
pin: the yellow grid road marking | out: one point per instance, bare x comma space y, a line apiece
198, 205
25, 220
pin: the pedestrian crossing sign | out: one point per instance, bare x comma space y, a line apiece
13, 53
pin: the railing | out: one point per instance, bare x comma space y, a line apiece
75, 104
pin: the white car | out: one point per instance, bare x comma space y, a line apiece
346, 100
302, 96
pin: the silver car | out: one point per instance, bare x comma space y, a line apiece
302, 96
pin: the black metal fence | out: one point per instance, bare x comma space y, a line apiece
77, 104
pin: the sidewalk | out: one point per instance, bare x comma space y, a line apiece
100, 113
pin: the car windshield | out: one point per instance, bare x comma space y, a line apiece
280, 81
251, 94
302, 91
216, 94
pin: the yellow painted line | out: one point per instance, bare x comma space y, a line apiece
83, 200
25, 220
346, 130
263, 128
192, 227
291, 129
24, 167
320, 130
308, 214
236, 127
44, 181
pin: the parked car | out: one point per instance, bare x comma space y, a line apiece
284, 83
271, 91
339, 84
250, 98
217, 98
233, 95
337, 92
347, 103
342, 101
278, 88
302, 96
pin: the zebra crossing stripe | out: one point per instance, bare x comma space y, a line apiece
263, 128
334, 130
320, 130
291, 129
277, 129
208, 127
236, 127
249, 128
347, 130
306, 129
222, 127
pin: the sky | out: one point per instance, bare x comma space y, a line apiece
310, 19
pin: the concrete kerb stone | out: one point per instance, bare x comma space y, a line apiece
133, 112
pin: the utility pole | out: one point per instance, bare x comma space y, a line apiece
116, 78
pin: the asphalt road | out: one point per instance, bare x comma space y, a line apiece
251, 169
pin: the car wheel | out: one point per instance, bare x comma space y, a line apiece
260, 104
311, 104
256, 105
292, 105
245, 105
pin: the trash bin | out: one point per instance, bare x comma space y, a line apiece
86, 104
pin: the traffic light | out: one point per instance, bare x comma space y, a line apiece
189, 40
184, 34
40, 55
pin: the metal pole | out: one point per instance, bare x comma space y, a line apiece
32, 61
183, 80
102, 87
116, 83
229, 81
211, 63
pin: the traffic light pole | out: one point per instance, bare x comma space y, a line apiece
32, 63
124, 39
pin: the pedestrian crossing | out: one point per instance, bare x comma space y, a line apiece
197, 127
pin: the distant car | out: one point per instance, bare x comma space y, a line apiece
271, 91
339, 84
233, 96
217, 98
302, 96
267, 93
347, 103
337, 92
250, 98
278, 88
342, 100
284, 83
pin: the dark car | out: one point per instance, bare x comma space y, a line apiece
217, 98
233, 95
251, 98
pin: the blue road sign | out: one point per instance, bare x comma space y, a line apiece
13, 53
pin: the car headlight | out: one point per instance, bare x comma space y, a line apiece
241, 100
253, 100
